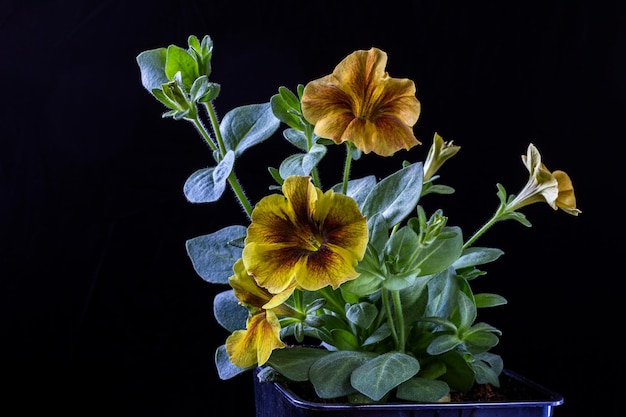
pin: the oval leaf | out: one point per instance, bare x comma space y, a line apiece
246, 126
228, 312
208, 184
380, 375
396, 196
213, 255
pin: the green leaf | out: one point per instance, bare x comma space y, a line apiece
459, 374
477, 256
362, 314
152, 68
423, 390
441, 253
225, 368
297, 139
378, 232
178, 60
442, 293
396, 196
286, 107
302, 163
207, 185
487, 367
364, 285
379, 335
489, 300
380, 375
358, 188
228, 312
330, 374
246, 126
466, 311
443, 343
213, 255
294, 363
480, 341
344, 340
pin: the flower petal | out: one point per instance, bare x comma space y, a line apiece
253, 346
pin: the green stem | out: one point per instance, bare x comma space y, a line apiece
346, 169
399, 319
390, 320
232, 179
308, 132
497, 215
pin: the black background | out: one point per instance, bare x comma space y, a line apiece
101, 310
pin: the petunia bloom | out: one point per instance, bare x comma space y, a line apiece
250, 294
359, 102
305, 238
554, 188
254, 345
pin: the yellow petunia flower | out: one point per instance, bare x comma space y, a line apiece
359, 102
250, 294
554, 188
305, 238
254, 345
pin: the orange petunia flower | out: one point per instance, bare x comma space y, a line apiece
360, 103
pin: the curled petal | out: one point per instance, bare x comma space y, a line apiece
556, 188
253, 346
249, 293
566, 200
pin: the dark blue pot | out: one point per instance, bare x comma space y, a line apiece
275, 400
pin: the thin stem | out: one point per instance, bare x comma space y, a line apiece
392, 324
232, 179
308, 133
346, 169
399, 318
497, 215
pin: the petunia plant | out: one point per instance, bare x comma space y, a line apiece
352, 286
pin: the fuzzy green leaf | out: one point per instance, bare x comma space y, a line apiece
297, 139
225, 368
489, 300
423, 390
208, 184
302, 163
396, 196
246, 126
294, 363
178, 60
380, 375
228, 312
362, 314
331, 374
441, 253
152, 67
477, 256
213, 255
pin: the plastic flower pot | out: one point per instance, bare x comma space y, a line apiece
274, 399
